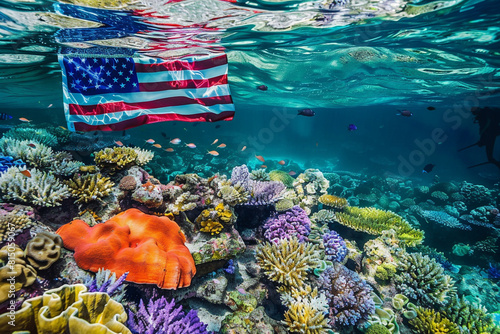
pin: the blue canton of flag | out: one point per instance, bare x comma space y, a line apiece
92, 76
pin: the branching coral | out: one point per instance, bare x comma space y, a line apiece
13, 222
40, 189
214, 220
106, 281
283, 204
305, 318
335, 247
65, 167
39, 156
422, 279
259, 175
288, 261
375, 221
89, 187
349, 296
292, 223
333, 201
233, 195
116, 158
471, 318
324, 216
41, 136
429, 321
284, 177
261, 192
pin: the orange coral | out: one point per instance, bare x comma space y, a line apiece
150, 248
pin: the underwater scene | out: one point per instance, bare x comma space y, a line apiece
249, 166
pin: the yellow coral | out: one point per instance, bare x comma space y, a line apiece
333, 201
288, 261
14, 221
429, 321
375, 221
89, 187
116, 158
213, 220
210, 226
15, 273
304, 318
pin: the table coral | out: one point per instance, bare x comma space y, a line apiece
287, 261
40, 189
23, 274
150, 248
422, 279
68, 309
89, 187
43, 250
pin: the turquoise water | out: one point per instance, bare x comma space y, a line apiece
352, 62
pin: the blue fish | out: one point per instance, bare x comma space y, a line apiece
5, 117
306, 112
428, 168
352, 127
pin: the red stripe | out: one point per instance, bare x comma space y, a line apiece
179, 65
106, 108
148, 119
182, 84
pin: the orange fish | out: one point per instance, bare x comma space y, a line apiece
169, 149
263, 166
214, 153
292, 173
26, 173
191, 145
215, 141
22, 119
222, 145
157, 145
31, 145
244, 148
119, 143
282, 162
260, 158
150, 141
175, 141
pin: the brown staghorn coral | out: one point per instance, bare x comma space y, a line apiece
333, 201
89, 187
288, 261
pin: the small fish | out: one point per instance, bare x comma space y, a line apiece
282, 162
164, 135
32, 145
175, 141
260, 158
217, 126
169, 149
191, 145
215, 141
221, 146
428, 168
119, 143
26, 173
240, 290
263, 166
150, 141
306, 112
50, 105
157, 145
214, 153
22, 119
262, 87
352, 127
405, 113
431, 108
292, 173
4, 117
243, 148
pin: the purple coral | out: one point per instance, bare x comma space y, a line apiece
240, 175
162, 317
349, 296
265, 192
293, 222
335, 247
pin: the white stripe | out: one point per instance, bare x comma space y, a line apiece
162, 76
189, 59
121, 116
83, 100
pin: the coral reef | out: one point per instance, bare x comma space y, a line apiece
39, 156
149, 194
284, 204
423, 280
214, 220
429, 321
41, 136
443, 218
260, 175
287, 261
43, 250
283, 177
7, 161
150, 248
292, 223
68, 309
13, 220
162, 317
89, 187
470, 318
375, 221
106, 281
14, 269
349, 296
309, 186
475, 195
225, 245
333, 201
117, 158
41, 188
335, 247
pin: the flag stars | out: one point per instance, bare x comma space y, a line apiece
122, 85
83, 60
134, 84
110, 86
89, 67
101, 67
90, 81
78, 81
120, 73
73, 85
113, 67
84, 88
108, 73
84, 75
115, 79
101, 79
124, 65
95, 60
131, 71
97, 86
71, 73
127, 79
70, 60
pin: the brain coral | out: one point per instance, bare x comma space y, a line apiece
43, 250
150, 248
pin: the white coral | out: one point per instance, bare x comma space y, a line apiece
143, 156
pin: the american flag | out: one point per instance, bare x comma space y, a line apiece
114, 94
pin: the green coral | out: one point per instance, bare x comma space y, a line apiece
41, 136
471, 318
41, 188
375, 221
288, 261
284, 177
429, 321
422, 279
89, 187
283, 205
259, 175
214, 220
333, 201
233, 195
385, 271
377, 329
